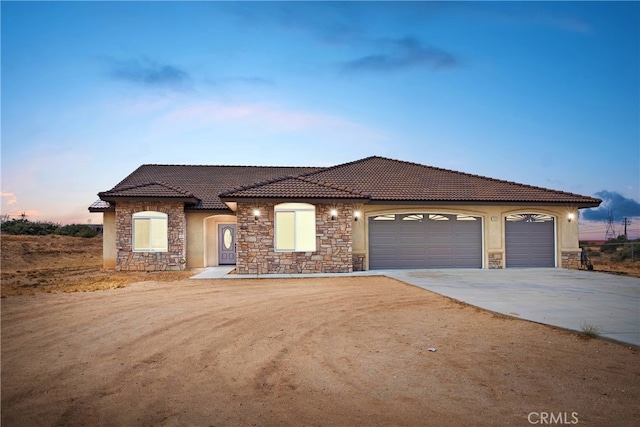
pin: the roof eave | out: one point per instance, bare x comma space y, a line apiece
115, 199
195, 209
102, 210
281, 199
577, 204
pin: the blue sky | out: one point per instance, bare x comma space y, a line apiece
541, 93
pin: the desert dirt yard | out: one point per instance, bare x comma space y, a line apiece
85, 346
326, 351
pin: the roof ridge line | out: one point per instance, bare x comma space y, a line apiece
148, 183
334, 186
328, 168
175, 187
256, 184
229, 166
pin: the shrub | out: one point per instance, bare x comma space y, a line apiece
24, 226
589, 331
77, 230
629, 251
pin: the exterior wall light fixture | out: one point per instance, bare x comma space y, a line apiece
256, 214
356, 215
570, 217
334, 214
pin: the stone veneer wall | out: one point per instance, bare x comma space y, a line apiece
255, 242
174, 259
571, 259
495, 260
358, 262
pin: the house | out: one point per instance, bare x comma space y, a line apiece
373, 213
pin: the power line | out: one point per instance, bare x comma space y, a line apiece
610, 233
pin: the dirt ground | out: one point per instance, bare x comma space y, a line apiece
334, 351
34, 264
604, 264
347, 351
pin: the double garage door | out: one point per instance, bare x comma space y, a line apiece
432, 240
423, 240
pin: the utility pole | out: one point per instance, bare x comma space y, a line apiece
626, 221
611, 229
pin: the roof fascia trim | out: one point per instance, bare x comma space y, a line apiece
580, 205
115, 199
294, 199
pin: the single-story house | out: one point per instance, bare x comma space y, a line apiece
373, 213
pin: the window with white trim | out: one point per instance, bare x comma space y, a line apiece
295, 227
150, 232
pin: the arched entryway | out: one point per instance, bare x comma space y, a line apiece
219, 240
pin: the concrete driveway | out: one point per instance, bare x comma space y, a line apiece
554, 296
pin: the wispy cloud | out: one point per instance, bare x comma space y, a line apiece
8, 198
615, 202
533, 14
150, 73
566, 23
402, 53
243, 80
333, 22
262, 115
329, 21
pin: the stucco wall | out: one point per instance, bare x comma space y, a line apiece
173, 259
109, 252
255, 242
202, 238
493, 219
195, 239
341, 244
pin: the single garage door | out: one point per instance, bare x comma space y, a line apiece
530, 241
423, 240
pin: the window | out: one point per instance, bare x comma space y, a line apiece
150, 232
295, 227
387, 217
529, 217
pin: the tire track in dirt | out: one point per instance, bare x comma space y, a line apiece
344, 351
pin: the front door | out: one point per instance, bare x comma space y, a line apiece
226, 244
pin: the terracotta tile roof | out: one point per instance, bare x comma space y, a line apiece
373, 179
394, 180
294, 187
99, 206
148, 189
203, 182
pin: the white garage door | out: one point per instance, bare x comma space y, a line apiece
425, 240
529, 240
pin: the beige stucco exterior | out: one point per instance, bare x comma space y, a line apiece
493, 220
109, 252
202, 232
202, 238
